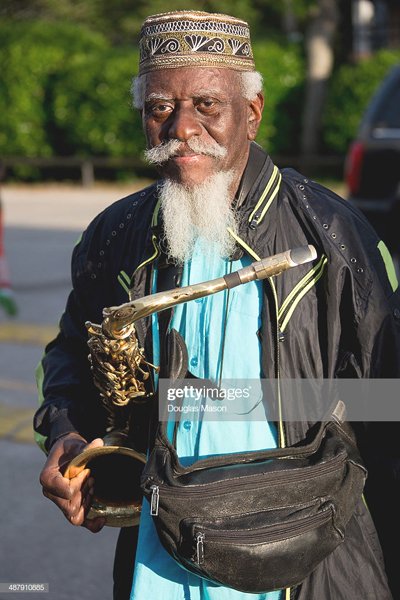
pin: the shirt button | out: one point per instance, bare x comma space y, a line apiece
187, 425
194, 362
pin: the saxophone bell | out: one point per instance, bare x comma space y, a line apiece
116, 469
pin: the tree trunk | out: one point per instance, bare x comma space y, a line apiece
289, 22
319, 42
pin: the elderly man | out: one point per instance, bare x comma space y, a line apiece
220, 204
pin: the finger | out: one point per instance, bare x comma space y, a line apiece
77, 518
75, 498
86, 502
70, 509
77, 483
96, 443
71, 471
94, 525
54, 483
71, 504
88, 488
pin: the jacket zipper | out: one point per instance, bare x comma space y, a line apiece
278, 336
271, 534
156, 490
261, 212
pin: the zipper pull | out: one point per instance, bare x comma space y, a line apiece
200, 548
254, 222
155, 497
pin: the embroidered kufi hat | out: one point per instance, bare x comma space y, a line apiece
192, 38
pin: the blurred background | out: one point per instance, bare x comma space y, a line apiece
67, 65
70, 144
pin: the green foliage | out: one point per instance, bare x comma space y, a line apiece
282, 67
66, 34
120, 20
351, 89
32, 56
92, 111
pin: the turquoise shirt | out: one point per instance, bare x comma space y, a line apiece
201, 323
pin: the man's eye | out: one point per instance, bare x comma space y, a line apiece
207, 104
160, 109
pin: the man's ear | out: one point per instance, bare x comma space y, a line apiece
255, 109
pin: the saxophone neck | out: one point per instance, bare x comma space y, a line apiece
118, 320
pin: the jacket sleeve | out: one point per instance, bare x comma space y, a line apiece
379, 325
378, 335
69, 400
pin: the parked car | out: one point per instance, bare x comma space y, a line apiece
373, 162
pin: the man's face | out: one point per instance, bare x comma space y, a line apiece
200, 104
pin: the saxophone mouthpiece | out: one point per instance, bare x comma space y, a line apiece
304, 254
272, 265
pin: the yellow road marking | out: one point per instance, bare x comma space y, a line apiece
26, 333
24, 435
14, 385
16, 423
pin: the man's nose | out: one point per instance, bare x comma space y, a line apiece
184, 123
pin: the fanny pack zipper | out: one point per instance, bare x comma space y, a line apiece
274, 532
156, 489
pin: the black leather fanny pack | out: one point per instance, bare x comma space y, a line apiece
256, 521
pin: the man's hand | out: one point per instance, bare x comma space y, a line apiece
72, 496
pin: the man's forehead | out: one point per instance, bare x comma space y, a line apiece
190, 81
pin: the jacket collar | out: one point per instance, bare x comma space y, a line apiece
257, 208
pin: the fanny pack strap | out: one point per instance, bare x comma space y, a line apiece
337, 416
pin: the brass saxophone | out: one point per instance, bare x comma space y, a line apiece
121, 371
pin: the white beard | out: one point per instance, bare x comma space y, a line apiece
201, 211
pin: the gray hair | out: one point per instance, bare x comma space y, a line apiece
251, 84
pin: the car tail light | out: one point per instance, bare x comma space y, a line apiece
353, 166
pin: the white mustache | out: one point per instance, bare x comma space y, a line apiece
163, 152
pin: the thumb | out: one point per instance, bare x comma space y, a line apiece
96, 443
73, 471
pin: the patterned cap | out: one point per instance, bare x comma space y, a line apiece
190, 38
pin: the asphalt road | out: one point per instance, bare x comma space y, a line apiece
37, 545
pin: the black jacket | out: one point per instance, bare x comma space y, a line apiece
338, 318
